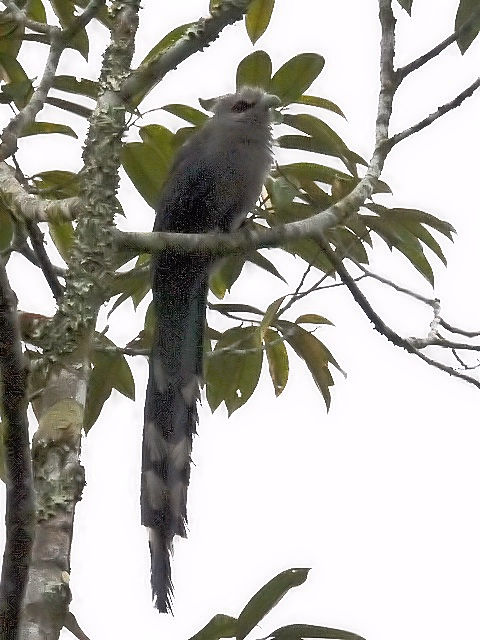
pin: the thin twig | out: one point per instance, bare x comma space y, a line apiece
402, 72
19, 503
461, 332
380, 325
36, 238
82, 20
27, 115
441, 111
20, 16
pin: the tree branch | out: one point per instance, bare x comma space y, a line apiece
20, 505
26, 206
36, 238
402, 72
20, 16
441, 111
27, 115
82, 20
199, 36
380, 325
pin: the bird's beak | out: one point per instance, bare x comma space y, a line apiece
271, 101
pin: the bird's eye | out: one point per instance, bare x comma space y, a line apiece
242, 105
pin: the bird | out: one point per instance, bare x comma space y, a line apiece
214, 181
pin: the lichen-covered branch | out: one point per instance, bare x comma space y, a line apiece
19, 504
66, 343
199, 36
26, 206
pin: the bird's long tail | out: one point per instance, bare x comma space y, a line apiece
179, 295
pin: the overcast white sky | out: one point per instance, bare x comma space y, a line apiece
379, 496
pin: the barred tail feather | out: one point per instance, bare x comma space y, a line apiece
179, 294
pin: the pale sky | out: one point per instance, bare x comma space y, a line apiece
379, 496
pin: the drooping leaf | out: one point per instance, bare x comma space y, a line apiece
407, 5
11, 34
301, 631
184, 111
110, 371
277, 358
71, 84
233, 368
68, 105
255, 70
266, 598
260, 261
6, 228
312, 171
323, 103
316, 356
17, 84
295, 76
37, 128
258, 17
36, 11
146, 168
62, 235
464, 12
270, 314
56, 184
165, 43
235, 308
347, 245
224, 274
220, 626
65, 12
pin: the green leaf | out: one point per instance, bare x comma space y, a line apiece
37, 128
220, 626
325, 140
277, 358
65, 12
11, 34
295, 76
194, 116
18, 86
98, 390
56, 184
301, 631
258, 17
396, 235
68, 105
36, 11
269, 316
312, 318
260, 261
235, 308
147, 168
165, 43
407, 5
224, 274
267, 597
110, 371
6, 228
82, 87
464, 12
314, 353
255, 70
347, 244
322, 103
312, 171
233, 368
62, 235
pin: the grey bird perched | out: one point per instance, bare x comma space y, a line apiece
214, 182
